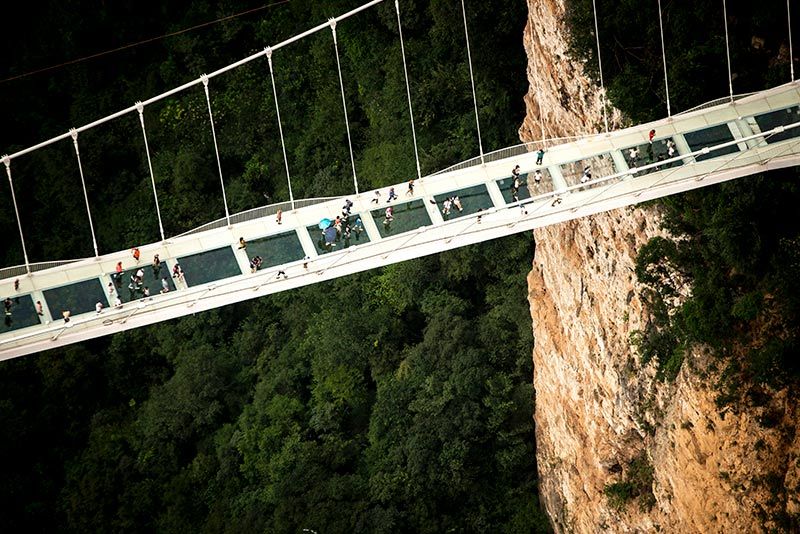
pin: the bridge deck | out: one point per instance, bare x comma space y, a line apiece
710, 145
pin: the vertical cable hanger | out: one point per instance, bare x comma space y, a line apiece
268, 53
332, 23
7, 161
727, 47
791, 52
408, 88
74, 133
600, 66
472, 80
140, 109
664, 58
216, 148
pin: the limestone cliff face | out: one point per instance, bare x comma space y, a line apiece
598, 411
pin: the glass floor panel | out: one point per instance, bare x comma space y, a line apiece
472, 199
528, 186
709, 137
151, 280
276, 249
78, 298
23, 313
209, 266
356, 237
408, 216
782, 117
647, 153
524, 192
600, 166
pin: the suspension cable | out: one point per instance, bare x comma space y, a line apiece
268, 53
791, 54
197, 81
727, 47
541, 111
408, 88
472, 80
332, 22
74, 133
216, 148
600, 66
664, 58
7, 161
140, 109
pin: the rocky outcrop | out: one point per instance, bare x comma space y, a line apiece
681, 463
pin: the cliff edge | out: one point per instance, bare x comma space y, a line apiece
617, 449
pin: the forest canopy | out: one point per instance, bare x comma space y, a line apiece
393, 400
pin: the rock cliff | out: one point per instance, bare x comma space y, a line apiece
617, 449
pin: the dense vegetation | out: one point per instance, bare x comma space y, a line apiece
739, 242
395, 400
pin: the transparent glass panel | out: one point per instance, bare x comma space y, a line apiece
529, 186
22, 313
129, 290
472, 199
340, 241
276, 249
209, 266
646, 153
709, 137
598, 166
406, 217
77, 298
768, 121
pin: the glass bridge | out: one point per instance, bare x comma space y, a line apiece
207, 268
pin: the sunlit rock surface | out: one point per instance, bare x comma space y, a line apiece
597, 409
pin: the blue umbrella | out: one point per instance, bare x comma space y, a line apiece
330, 235
324, 223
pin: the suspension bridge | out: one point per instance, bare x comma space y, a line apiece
62, 302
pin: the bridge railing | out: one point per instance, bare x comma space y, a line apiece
509, 152
717, 102
257, 213
19, 270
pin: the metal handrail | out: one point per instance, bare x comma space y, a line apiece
716, 102
510, 151
19, 270
257, 213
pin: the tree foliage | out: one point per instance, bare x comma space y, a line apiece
394, 400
